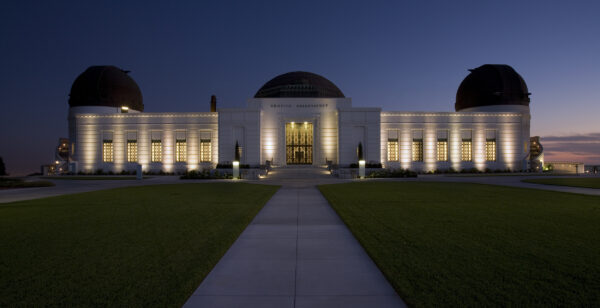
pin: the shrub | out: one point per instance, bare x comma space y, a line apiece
392, 173
204, 174
19, 183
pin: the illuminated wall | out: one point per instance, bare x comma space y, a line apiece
359, 125
511, 130
275, 113
338, 128
86, 133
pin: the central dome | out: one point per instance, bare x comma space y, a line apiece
299, 84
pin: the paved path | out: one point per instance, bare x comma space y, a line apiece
65, 187
514, 181
296, 253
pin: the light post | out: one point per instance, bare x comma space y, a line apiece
236, 161
236, 170
361, 168
361, 161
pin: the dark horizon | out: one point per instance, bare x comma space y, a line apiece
399, 57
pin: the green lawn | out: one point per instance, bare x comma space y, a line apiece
457, 244
93, 178
574, 182
136, 246
10, 183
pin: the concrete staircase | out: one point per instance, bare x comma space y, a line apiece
298, 173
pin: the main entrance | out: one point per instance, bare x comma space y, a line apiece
299, 143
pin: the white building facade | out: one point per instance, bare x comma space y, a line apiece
299, 118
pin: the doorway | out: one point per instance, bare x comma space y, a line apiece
299, 143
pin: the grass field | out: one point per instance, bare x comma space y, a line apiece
585, 182
457, 244
93, 178
136, 246
10, 183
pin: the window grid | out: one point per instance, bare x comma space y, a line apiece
490, 150
392, 147
132, 155
180, 150
156, 151
442, 150
417, 150
205, 150
107, 151
466, 150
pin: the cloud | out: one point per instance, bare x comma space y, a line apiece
593, 137
579, 148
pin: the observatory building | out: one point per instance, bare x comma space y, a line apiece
298, 118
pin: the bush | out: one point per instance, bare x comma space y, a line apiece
367, 165
393, 173
19, 183
230, 166
204, 175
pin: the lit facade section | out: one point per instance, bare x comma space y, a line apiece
413, 140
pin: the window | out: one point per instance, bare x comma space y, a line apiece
442, 145
156, 146
417, 150
107, 147
442, 150
132, 149
107, 151
466, 146
180, 150
205, 150
490, 145
132, 155
490, 150
392, 148
156, 151
417, 145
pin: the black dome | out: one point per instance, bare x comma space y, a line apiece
492, 84
106, 86
299, 84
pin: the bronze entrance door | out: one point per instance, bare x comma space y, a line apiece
299, 143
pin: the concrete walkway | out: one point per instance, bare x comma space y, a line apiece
66, 187
296, 253
513, 181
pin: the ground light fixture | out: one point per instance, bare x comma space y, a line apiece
361, 168
236, 170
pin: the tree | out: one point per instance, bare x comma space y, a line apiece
2, 168
360, 151
237, 151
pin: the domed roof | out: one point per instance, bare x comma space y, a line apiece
107, 86
299, 84
492, 84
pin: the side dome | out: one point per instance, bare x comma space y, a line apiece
107, 86
299, 84
492, 85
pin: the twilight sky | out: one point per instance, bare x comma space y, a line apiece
398, 55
